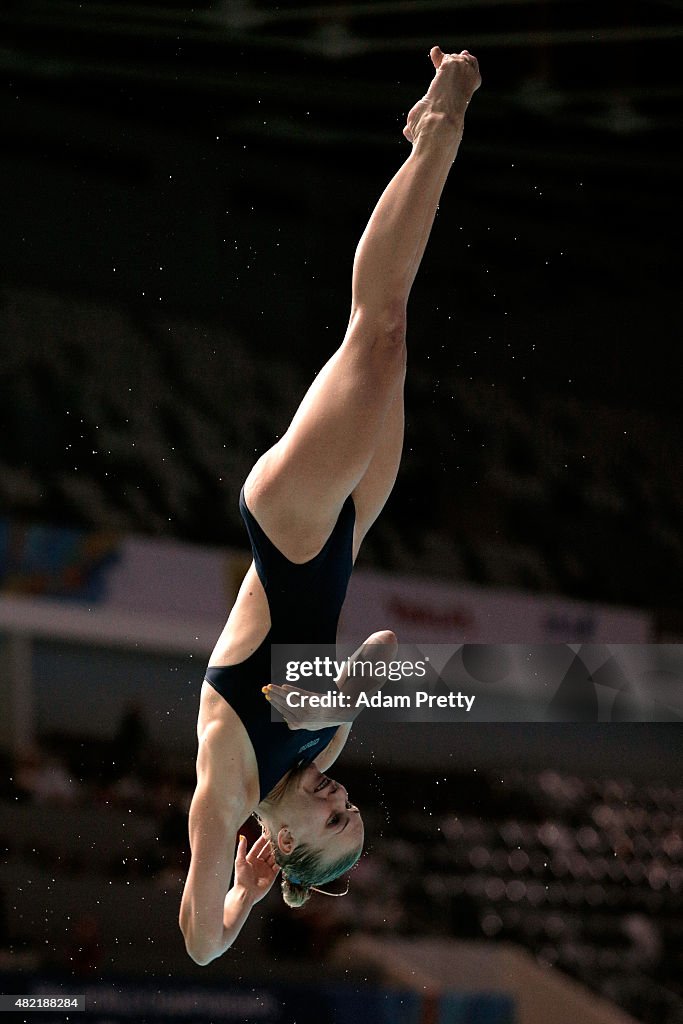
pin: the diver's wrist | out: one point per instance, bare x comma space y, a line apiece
243, 893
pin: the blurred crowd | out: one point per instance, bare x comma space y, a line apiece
586, 873
152, 425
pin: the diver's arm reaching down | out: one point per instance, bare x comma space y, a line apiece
206, 888
211, 912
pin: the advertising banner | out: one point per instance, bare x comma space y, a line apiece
166, 577
439, 612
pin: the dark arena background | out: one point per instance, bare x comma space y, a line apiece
182, 192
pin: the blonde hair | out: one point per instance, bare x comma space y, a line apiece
303, 871
295, 894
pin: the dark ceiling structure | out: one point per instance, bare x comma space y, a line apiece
606, 66
264, 108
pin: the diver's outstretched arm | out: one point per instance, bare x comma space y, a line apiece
212, 912
207, 895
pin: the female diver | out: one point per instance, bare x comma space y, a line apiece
307, 504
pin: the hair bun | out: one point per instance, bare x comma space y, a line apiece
295, 894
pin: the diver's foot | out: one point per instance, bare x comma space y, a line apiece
455, 81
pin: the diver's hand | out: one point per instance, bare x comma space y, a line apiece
294, 704
256, 870
302, 709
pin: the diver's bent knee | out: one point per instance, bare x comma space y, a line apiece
386, 355
383, 327
389, 329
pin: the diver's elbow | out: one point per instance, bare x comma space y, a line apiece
199, 950
201, 953
200, 959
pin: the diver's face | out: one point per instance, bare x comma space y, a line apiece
320, 814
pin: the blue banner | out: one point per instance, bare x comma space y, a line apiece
123, 1001
53, 561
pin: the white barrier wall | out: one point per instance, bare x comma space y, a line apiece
164, 599
170, 578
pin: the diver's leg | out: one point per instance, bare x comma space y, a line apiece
371, 492
298, 487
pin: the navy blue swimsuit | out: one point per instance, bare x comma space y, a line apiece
305, 602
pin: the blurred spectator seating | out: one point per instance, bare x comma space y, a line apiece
151, 425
